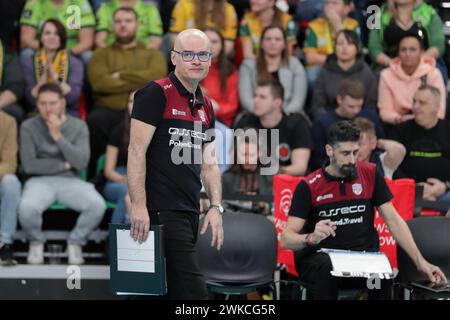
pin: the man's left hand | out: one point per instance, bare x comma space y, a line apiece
214, 218
433, 273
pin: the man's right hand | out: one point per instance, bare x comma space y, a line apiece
140, 223
323, 229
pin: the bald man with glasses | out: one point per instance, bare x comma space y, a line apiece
171, 132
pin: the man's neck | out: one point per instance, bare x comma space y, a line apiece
190, 85
430, 124
340, 113
271, 120
330, 171
345, 65
129, 45
266, 16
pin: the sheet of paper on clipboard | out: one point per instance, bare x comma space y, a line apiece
133, 256
359, 264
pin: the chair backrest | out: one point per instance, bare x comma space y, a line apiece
248, 254
432, 236
283, 190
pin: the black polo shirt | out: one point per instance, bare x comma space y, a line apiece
347, 203
175, 152
293, 132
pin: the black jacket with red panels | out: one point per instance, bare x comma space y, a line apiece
175, 152
349, 204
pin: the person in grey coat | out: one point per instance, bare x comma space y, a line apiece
54, 150
273, 61
345, 63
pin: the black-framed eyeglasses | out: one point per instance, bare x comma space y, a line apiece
188, 56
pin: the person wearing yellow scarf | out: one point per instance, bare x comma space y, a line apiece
53, 63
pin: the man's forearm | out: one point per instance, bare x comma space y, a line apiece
293, 241
401, 233
136, 172
212, 182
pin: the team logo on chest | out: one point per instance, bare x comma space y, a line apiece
202, 116
357, 188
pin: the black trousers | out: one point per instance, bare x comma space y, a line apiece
314, 270
100, 122
184, 280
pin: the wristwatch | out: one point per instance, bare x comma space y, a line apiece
218, 207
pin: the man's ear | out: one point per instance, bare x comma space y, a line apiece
339, 99
172, 58
329, 150
279, 103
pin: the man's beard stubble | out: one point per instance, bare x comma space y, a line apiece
125, 40
347, 171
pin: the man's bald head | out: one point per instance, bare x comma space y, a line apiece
185, 37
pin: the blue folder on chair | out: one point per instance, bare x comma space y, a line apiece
137, 269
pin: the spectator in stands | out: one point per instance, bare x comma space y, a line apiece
405, 74
350, 100
321, 34
322, 216
150, 29
244, 177
9, 187
386, 154
401, 17
80, 25
221, 83
346, 62
53, 63
202, 14
9, 22
54, 150
263, 14
294, 147
115, 171
114, 72
11, 84
273, 62
427, 145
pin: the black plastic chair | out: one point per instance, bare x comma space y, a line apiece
247, 259
432, 236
